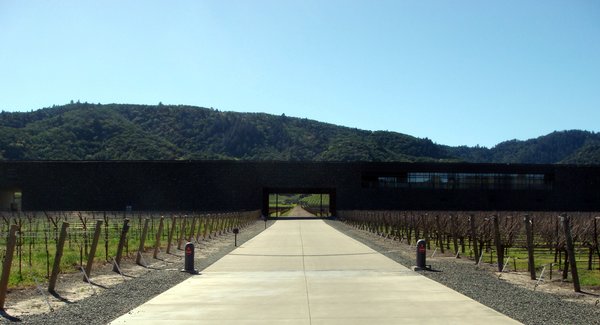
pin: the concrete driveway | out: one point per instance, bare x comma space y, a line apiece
306, 272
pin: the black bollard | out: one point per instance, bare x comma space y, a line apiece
189, 259
236, 231
421, 254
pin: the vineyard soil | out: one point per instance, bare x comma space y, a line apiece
23, 303
29, 301
556, 287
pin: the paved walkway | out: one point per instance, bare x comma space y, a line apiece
306, 272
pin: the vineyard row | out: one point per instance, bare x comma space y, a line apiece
39, 245
536, 234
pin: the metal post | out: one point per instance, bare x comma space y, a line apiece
86, 279
421, 254
236, 231
189, 258
480, 258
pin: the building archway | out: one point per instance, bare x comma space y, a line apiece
267, 209
10, 199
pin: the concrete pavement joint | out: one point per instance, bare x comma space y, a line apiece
304, 271
305, 255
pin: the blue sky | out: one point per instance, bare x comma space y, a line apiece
457, 72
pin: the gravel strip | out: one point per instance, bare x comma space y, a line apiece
526, 306
118, 300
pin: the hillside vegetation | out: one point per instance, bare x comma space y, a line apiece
82, 131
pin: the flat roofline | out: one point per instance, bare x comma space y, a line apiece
365, 164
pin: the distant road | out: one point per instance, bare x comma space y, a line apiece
297, 211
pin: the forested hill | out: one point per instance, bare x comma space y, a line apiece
82, 131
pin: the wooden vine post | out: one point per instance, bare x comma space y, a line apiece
530, 251
438, 234
199, 230
138, 259
205, 226
158, 235
120, 247
92, 253
171, 232
10, 249
596, 237
454, 234
192, 229
498, 242
566, 221
474, 237
182, 233
59, 252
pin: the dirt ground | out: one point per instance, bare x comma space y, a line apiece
556, 287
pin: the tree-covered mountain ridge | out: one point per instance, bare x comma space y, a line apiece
82, 131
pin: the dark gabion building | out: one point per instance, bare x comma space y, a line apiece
236, 185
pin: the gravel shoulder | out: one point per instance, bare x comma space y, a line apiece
140, 284
482, 285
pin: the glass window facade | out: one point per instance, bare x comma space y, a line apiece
467, 181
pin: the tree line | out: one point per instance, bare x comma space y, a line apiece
84, 131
